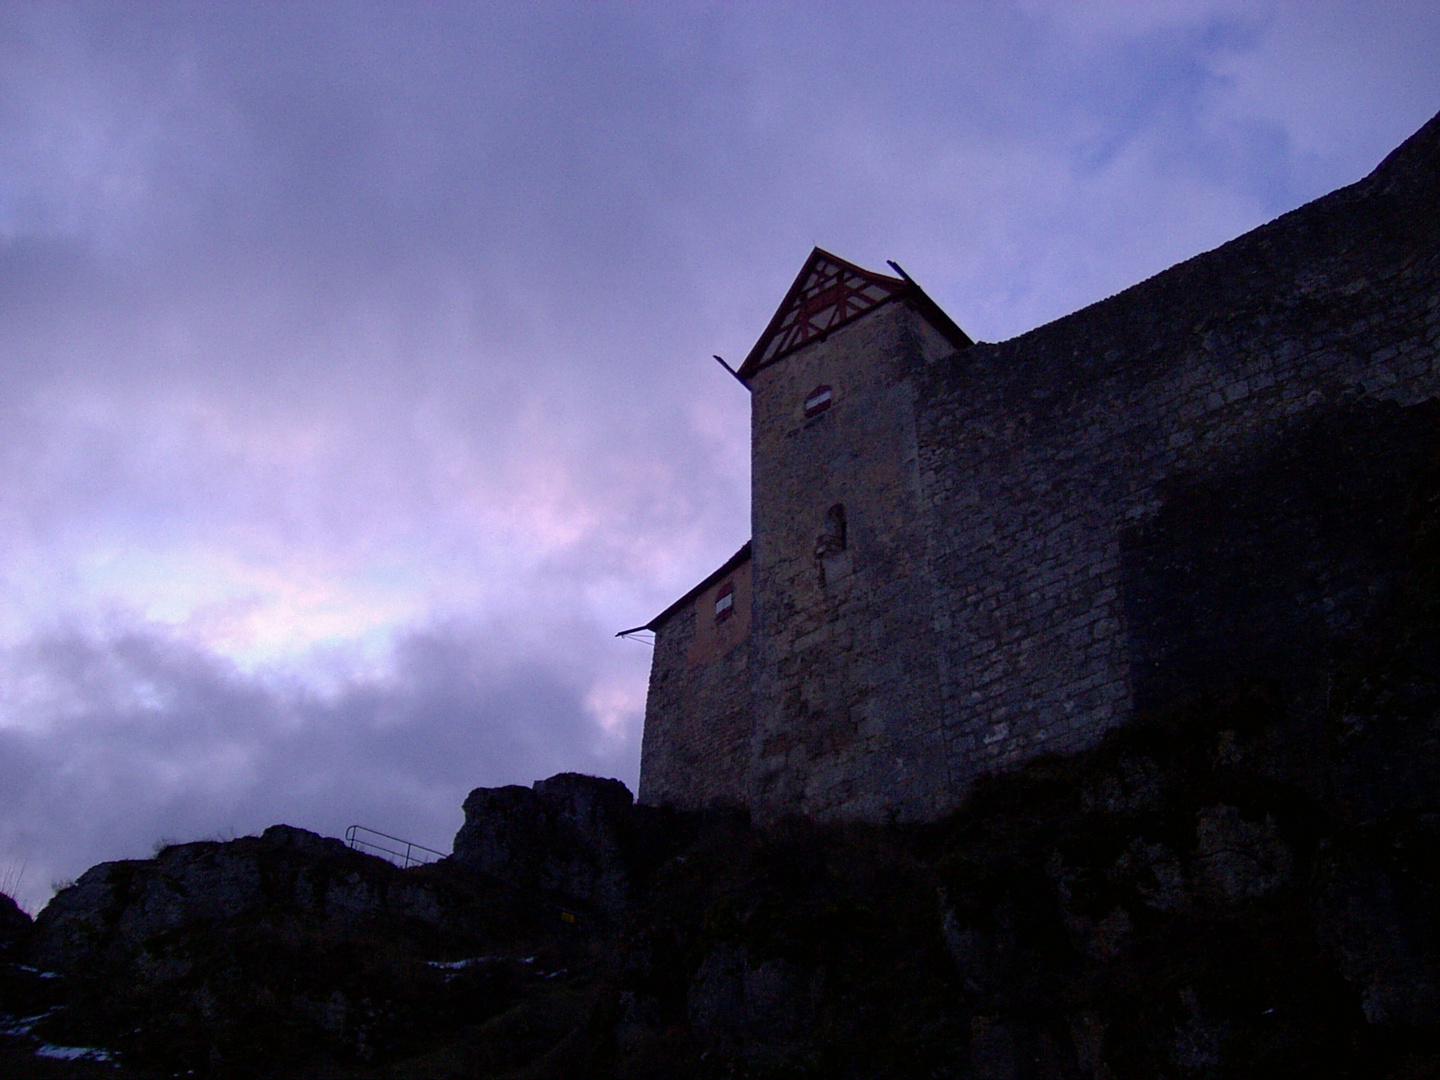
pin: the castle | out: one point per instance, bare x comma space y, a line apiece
967, 554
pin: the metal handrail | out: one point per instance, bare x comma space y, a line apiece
407, 858
413, 854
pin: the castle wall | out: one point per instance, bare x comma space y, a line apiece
1258, 573
1065, 467
695, 749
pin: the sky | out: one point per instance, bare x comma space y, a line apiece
355, 377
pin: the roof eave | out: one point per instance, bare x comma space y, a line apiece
728, 565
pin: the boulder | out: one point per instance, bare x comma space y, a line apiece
1238, 859
305, 842
762, 1009
566, 838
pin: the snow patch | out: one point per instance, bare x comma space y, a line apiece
72, 1053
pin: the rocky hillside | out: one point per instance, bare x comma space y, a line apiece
1240, 886
1175, 904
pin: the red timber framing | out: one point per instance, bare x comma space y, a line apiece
830, 292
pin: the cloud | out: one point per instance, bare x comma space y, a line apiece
111, 740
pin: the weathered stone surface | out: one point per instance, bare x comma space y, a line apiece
563, 838
1155, 874
847, 677
1380, 922
1174, 903
698, 713
305, 842
1237, 859
716, 1003
757, 1009
115, 909
248, 957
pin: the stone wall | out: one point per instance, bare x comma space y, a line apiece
1051, 457
1264, 571
695, 751
845, 675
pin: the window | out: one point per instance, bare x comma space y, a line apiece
832, 539
817, 401
830, 558
725, 602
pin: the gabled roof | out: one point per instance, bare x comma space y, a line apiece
828, 293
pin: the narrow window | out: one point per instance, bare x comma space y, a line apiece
817, 401
831, 544
832, 535
725, 602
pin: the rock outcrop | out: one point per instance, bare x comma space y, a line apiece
14, 925
116, 910
263, 952
1177, 903
566, 838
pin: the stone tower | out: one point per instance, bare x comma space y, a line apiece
801, 676
844, 666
